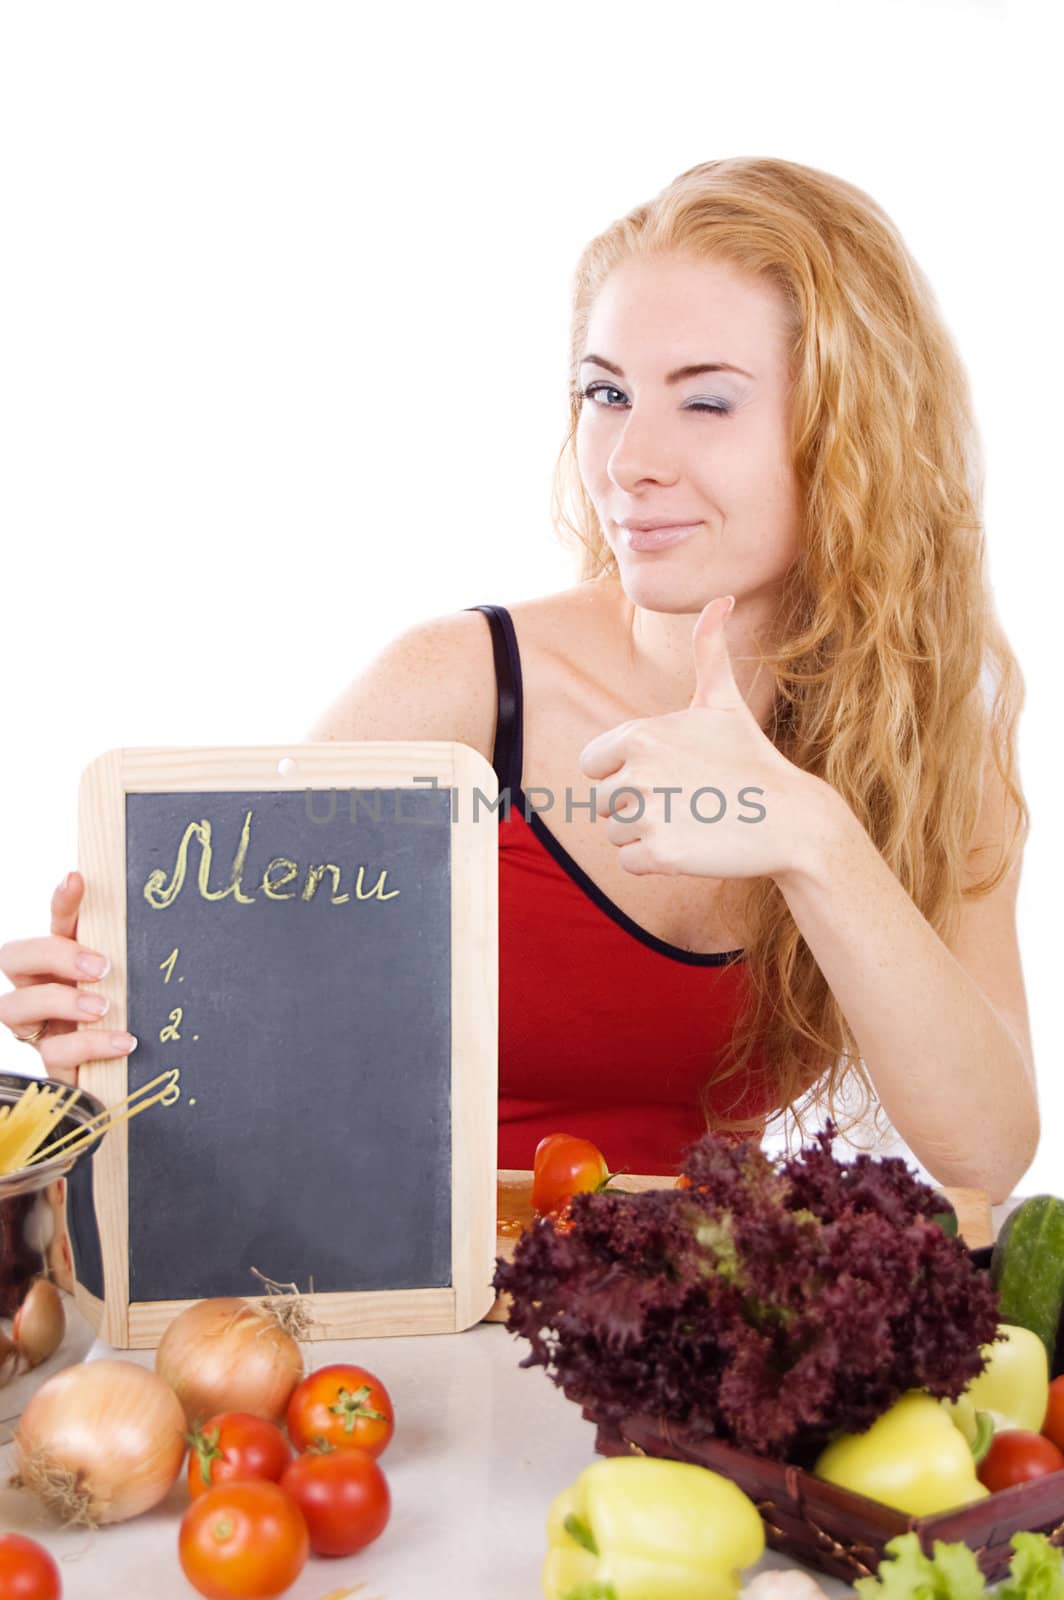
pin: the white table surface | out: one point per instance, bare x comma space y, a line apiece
481, 1447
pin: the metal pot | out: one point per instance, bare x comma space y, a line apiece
33, 1241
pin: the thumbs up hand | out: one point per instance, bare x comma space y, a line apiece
702, 791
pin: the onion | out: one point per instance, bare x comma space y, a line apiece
40, 1322
228, 1355
9, 1362
101, 1442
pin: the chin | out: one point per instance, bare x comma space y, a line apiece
655, 589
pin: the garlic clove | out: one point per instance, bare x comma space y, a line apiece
782, 1583
40, 1322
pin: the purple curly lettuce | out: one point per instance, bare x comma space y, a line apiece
774, 1304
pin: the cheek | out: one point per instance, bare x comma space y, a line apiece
586, 454
783, 479
592, 456
784, 505
757, 483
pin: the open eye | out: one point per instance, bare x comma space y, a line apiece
593, 389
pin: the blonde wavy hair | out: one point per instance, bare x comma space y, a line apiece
886, 622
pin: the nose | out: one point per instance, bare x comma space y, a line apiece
643, 453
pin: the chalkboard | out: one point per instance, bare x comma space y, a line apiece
309, 937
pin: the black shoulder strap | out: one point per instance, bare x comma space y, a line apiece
508, 754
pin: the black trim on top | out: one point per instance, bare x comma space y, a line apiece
693, 958
508, 761
508, 755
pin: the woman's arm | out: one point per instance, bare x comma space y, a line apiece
943, 1031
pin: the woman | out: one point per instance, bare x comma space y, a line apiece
809, 879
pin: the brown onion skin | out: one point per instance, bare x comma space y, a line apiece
9, 1358
40, 1322
95, 1394
227, 1354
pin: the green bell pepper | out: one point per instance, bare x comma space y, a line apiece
640, 1528
1013, 1388
912, 1458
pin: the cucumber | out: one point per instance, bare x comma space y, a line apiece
1027, 1268
944, 1214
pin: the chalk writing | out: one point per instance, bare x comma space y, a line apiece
159, 895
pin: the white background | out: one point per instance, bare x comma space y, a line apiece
284, 319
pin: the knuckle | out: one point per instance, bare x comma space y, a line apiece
657, 847
60, 1054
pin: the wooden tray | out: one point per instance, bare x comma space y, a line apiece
838, 1532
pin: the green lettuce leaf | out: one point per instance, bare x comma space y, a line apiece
1036, 1572
952, 1573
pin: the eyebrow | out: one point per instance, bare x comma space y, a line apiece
672, 377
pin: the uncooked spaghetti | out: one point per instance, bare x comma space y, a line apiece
26, 1127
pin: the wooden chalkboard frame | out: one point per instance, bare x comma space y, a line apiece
474, 1011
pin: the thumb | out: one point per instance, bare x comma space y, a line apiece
715, 684
66, 904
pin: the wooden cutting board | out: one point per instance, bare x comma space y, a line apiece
514, 1215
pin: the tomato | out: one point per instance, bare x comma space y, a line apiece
233, 1447
27, 1571
243, 1540
341, 1406
1053, 1426
1015, 1456
563, 1166
344, 1496
684, 1182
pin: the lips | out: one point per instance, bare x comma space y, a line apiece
658, 538
649, 525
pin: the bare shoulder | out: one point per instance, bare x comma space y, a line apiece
435, 680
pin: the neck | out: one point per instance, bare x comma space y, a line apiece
659, 661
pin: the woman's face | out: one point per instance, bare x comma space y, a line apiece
709, 449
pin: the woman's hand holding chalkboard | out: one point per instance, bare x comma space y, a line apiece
45, 973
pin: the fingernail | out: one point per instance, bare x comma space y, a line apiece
93, 966
123, 1041
65, 885
94, 1004
728, 608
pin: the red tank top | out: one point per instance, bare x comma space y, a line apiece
605, 1030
